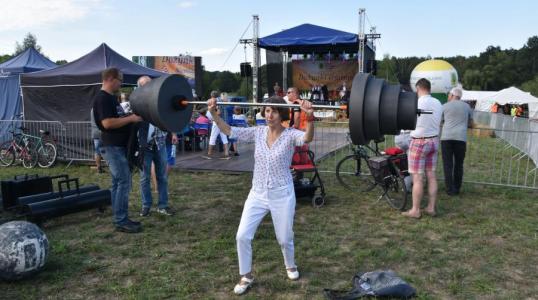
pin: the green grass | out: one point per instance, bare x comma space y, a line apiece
482, 245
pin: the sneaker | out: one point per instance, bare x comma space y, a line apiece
226, 157
243, 285
165, 211
129, 228
208, 156
236, 154
293, 275
145, 212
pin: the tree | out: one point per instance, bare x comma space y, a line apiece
387, 69
4, 58
531, 86
30, 41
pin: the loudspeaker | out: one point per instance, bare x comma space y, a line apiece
246, 69
371, 67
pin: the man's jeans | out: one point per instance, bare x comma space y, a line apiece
453, 155
121, 181
159, 158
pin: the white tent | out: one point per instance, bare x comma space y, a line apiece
511, 95
475, 95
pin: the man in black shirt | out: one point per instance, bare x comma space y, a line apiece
115, 128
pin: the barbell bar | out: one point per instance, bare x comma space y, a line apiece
315, 106
375, 107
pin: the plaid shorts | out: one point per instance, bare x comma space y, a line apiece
423, 155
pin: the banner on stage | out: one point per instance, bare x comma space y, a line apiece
182, 65
308, 73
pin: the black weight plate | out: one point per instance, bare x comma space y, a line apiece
157, 102
355, 107
407, 110
388, 108
371, 108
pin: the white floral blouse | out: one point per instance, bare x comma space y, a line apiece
271, 165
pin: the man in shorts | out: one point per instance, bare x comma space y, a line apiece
423, 150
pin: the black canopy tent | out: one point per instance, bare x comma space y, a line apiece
307, 39
66, 92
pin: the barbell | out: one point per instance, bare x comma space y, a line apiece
375, 107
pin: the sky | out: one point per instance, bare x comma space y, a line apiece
68, 29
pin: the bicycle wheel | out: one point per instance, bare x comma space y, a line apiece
353, 173
396, 192
29, 157
46, 155
7, 154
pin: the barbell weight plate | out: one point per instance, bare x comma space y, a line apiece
355, 107
371, 108
388, 109
407, 110
157, 102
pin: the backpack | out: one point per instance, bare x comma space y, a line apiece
376, 284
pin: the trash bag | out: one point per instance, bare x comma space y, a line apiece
376, 284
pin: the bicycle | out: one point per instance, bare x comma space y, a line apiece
367, 172
19, 148
22, 147
46, 149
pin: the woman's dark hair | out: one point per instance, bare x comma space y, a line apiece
284, 112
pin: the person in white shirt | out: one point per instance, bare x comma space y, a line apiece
423, 150
272, 184
215, 132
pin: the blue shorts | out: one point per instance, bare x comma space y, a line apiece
96, 146
171, 160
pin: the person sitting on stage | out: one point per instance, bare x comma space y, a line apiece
272, 184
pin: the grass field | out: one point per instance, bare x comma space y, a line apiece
482, 245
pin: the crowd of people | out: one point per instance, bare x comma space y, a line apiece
513, 110
116, 132
285, 132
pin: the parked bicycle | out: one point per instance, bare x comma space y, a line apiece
368, 167
18, 149
28, 149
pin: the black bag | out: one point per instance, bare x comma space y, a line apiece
135, 151
375, 284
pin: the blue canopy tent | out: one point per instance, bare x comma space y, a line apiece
306, 39
66, 92
10, 71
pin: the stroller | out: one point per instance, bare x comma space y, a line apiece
303, 162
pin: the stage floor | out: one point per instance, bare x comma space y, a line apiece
326, 140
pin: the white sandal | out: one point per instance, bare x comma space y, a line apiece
243, 285
293, 275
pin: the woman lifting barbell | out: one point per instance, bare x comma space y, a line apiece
272, 184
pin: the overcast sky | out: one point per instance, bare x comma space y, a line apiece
68, 29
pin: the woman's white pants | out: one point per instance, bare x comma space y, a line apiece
215, 132
280, 202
